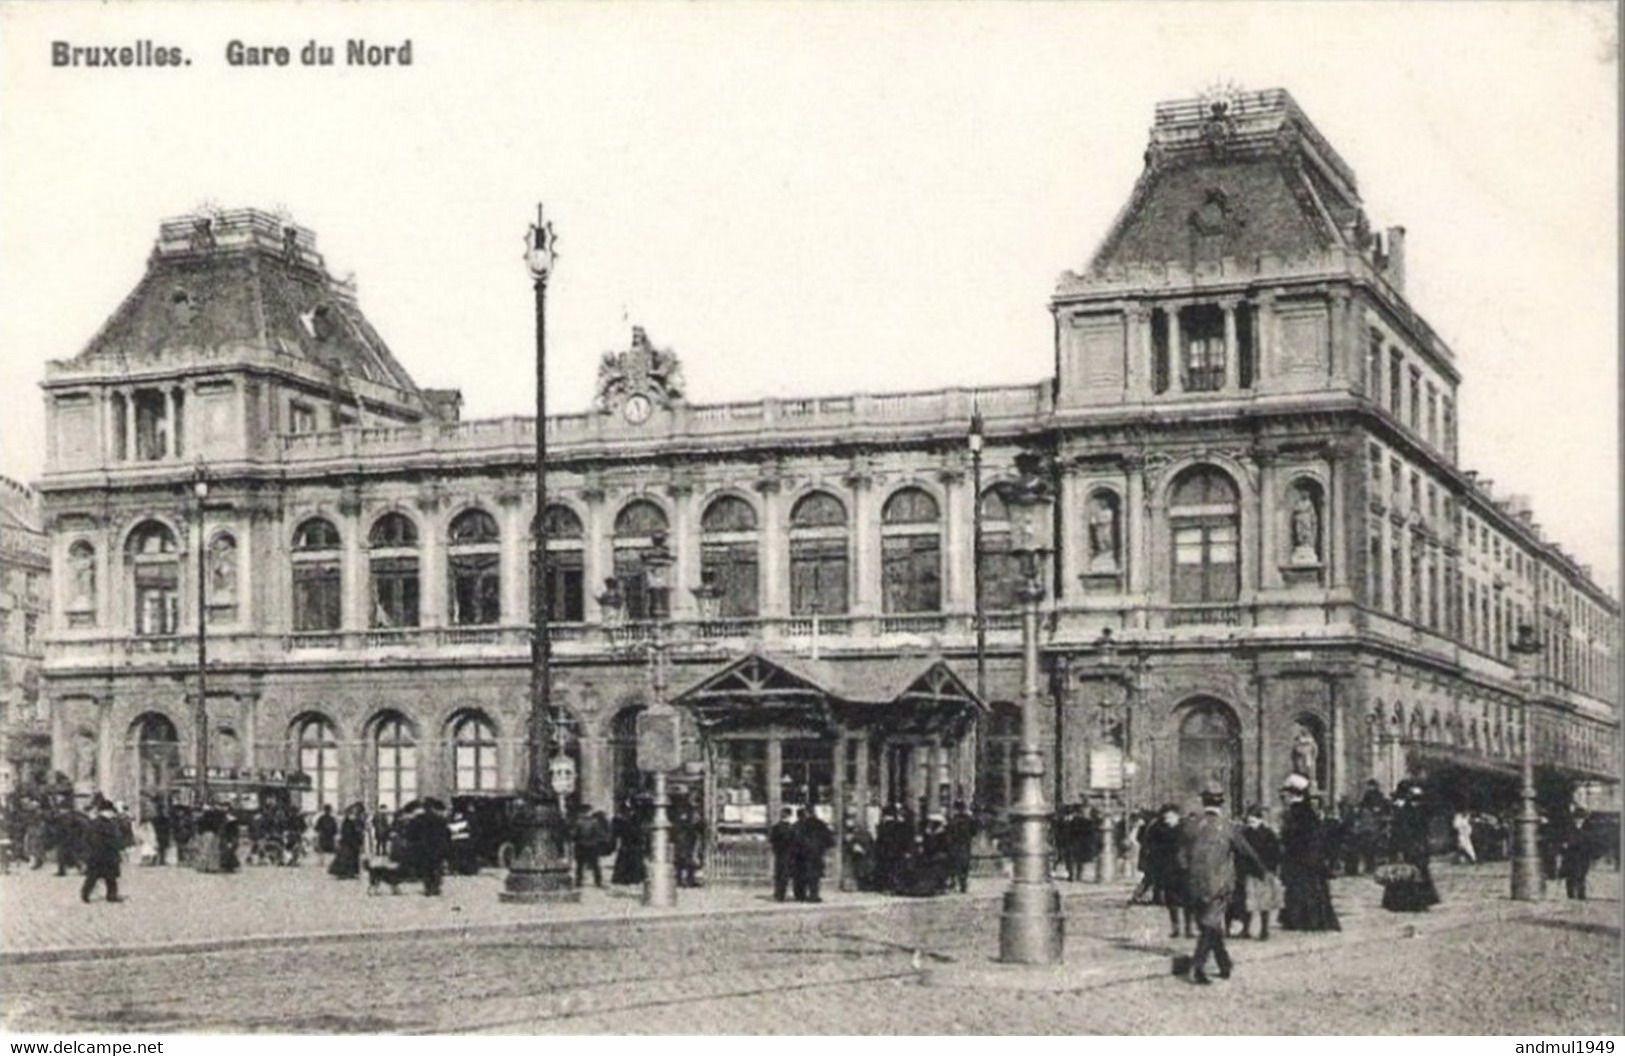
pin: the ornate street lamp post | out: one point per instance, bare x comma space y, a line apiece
974, 440
659, 732
541, 869
1527, 881
1031, 928
1106, 861
200, 707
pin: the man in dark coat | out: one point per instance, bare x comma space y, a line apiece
103, 843
1413, 892
1577, 849
185, 827
892, 843
160, 832
1208, 845
685, 840
428, 838
810, 841
631, 845
1258, 891
1160, 844
961, 837
591, 836
781, 838
327, 833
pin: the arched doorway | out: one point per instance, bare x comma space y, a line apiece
1209, 749
157, 750
627, 780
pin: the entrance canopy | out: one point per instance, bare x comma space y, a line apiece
907, 697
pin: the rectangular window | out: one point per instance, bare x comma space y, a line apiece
1447, 416
1205, 563
1375, 457
1415, 419
1373, 368
1159, 351
1433, 593
316, 594
634, 590
1246, 345
1416, 582
157, 600
395, 592
476, 589
1001, 574
818, 577
1433, 414
566, 586
1376, 595
30, 628
1396, 381
1396, 481
1396, 583
301, 418
911, 573
1416, 493
1202, 333
733, 568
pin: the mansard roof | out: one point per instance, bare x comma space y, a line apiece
1235, 174
220, 282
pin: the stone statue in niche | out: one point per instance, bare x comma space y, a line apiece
1103, 534
1305, 530
84, 758
222, 571
1305, 752
82, 561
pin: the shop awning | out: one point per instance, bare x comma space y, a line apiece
888, 695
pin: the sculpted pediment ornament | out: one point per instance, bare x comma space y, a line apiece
643, 376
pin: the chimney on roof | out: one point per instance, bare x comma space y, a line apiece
1394, 269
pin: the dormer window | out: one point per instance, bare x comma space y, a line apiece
301, 418
1203, 362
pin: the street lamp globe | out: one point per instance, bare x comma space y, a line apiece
975, 437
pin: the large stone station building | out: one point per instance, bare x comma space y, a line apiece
1258, 497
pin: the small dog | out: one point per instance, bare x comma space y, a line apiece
385, 873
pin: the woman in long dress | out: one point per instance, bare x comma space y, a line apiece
1306, 892
629, 845
347, 859
1412, 892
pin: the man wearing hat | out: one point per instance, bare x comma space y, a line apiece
103, 843
780, 838
1208, 846
428, 840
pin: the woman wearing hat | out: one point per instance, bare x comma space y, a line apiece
1410, 890
1306, 896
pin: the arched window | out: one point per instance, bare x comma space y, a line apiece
1205, 525
564, 583
317, 585
1209, 749
222, 577
473, 566
474, 750
154, 579
81, 592
395, 760
393, 562
996, 782
623, 750
1001, 568
911, 552
819, 568
316, 740
728, 556
635, 528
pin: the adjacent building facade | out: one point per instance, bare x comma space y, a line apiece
25, 569
1259, 499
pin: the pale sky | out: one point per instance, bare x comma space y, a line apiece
804, 200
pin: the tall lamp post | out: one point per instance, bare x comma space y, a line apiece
1031, 928
1527, 881
541, 870
200, 707
974, 439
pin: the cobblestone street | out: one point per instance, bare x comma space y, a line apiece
1476, 964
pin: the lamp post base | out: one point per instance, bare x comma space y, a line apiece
1032, 929
542, 870
1528, 882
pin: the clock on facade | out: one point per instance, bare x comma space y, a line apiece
638, 408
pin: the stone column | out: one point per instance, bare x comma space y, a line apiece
1336, 768
1176, 356
865, 544
432, 587
129, 425
108, 779
355, 598
1136, 528
1269, 564
957, 542
860, 780
514, 558
933, 787
1263, 335
251, 730
1341, 460
597, 562
1232, 353
775, 773
169, 450
685, 545
838, 787
774, 552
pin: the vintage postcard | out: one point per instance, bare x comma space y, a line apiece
876, 518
